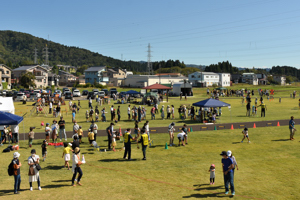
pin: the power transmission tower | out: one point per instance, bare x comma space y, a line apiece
149, 64
35, 55
46, 55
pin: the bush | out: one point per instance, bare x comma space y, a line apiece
4, 85
87, 85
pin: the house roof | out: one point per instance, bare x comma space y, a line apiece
6, 67
24, 68
111, 70
157, 86
95, 69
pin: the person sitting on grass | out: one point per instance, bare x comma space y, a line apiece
66, 153
245, 132
181, 137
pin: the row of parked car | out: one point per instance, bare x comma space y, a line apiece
104, 92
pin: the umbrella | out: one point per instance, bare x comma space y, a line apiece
211, 103
9, 119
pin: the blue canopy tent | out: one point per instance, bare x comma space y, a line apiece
211, 103
132, 92
9, 119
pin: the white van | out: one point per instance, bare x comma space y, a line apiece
20, 96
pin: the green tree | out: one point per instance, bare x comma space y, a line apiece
27, 80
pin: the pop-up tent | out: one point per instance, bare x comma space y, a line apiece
7, 105
211, 103
132, 92
9, 119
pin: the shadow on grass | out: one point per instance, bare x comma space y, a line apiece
52, 167
236, 142
215, 195
6, 192
60, 181
280, 140
209, 188
56, 186
116, 160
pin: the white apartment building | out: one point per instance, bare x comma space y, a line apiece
204, 79
224, 79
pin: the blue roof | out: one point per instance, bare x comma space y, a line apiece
211, 103
132, 92
9, 119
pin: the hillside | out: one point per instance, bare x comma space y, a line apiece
17, 49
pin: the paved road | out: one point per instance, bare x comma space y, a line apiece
201, 127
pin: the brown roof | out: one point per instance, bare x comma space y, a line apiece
157, 86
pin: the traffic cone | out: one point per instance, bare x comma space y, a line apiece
191, 129
231, 127
166, 147
215, 128
278, 124
120, 131
254, 125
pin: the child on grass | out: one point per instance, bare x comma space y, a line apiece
30, 137
44, 150
114, 143
91, 136
66, 153
80, 133
245, 132
212, 174
181, 137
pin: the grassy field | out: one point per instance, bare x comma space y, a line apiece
267, 169
275, 110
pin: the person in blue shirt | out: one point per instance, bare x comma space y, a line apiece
227, 164
292, 128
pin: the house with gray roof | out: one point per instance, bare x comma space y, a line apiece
40, 73
97, 74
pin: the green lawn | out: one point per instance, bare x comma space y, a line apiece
267, 169
275, 110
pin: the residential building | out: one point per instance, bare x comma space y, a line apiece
97, 74
262, 79
66, 78
250, 78
116, 76
204, 79
169, 74
236, 78
224, 79
280, 79
53, 79
67, 68
140, 81
81, 80
5, 74
40, 73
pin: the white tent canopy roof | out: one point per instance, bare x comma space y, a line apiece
7, 105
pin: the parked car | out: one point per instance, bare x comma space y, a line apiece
27, 94
68, 95
95, 91
22, 90
85, 92
92, 95
76, 93
106, 91
20, 96
101, 94
66, 90
113, 91
9, 93
74, 88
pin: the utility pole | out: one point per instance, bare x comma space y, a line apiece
46, 55
35, 55
149, 64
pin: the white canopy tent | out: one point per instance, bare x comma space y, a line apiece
7, 105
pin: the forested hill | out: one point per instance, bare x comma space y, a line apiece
17, 49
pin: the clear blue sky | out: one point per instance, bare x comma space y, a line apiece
259, 33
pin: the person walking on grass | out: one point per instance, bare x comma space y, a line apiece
292, 128
227, 172
185, 130
127, 141
33, 174
171, 130
263, 109
66, 154
16, 164
152, 113
30, 137
212, 171
144, 141
128, 112
173, 111
229, 154
76, 167
62, 129
245, 133
119, 113
44, 150
110, 132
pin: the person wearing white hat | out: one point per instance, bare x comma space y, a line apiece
229, 154
17, 175
76, 166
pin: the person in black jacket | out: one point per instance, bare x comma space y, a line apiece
110, 131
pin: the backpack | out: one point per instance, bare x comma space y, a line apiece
10, 169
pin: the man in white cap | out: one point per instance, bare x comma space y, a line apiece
16, 166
